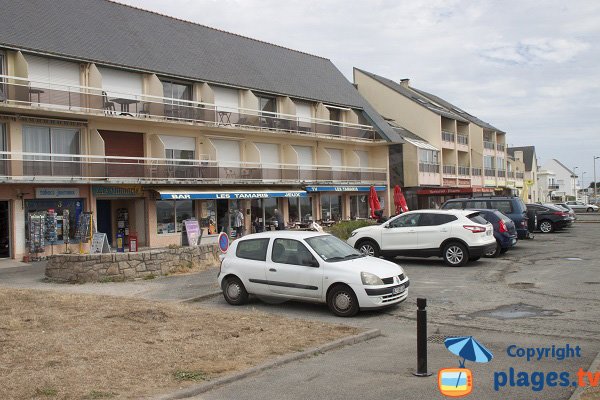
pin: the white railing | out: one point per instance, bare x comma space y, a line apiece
23, 166
25, 92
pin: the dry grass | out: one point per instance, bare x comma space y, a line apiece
64, 346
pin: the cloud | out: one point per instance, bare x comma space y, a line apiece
535, 50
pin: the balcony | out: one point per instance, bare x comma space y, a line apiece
62, 168
500, 147
488, 145
501, 173
462, 139
449, 169
489, 172
520, 175
23, 93
510, 174
553, 186
476, 171
430, 168
463, 171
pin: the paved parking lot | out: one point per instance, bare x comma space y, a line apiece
542, 293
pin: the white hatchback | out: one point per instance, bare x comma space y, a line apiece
309, 266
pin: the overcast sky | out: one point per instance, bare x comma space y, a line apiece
529, 68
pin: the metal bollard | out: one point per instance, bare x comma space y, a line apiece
421, 338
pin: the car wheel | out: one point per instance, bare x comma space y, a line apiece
234, 291
369, 248
590, 209
342, 301
495, 252
455, 255
546, 226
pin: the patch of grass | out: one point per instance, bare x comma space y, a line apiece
190, 376
96, 394
48, 392
149, 277
111, 279
343, 229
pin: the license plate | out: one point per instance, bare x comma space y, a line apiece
398, 289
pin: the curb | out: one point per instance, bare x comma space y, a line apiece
202, 297
202, 388
595, 366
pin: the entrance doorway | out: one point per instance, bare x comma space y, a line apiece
103, 210
4, 229
263, 211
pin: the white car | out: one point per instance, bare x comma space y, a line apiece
458, 236
581, 206
309, 266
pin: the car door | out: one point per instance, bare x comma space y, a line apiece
250, 263
400, 233
433, 229
293, 271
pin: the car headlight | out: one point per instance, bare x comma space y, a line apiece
370, 279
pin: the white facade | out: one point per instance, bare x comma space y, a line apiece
547, 185
564, 178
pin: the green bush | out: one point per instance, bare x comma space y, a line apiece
343, 229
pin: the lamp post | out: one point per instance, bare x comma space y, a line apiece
595, 192
582, 188
575, 176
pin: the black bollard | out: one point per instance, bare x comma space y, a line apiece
421, 338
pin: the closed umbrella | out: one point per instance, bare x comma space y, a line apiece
399, 200
373, 202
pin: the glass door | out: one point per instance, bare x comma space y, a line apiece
4, 230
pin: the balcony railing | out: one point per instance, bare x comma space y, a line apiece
476, 171
427, 167
448, 136
464, 171
553, 187
462, 139
502, 173
500, 147
520, 175
61, 168
489, 172
489, 145
511, 174
89, 100
450, 169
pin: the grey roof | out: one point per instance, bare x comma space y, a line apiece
528, 155
416, 97
402, 131
110, 33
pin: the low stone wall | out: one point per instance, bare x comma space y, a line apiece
81, 268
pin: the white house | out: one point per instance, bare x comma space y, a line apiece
563, 183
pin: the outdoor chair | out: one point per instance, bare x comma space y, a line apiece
107, 106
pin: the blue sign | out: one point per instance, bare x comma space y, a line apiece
230, 195
343, 188
223, 242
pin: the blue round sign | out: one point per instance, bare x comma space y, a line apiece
223, 242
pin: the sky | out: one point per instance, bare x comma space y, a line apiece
528, 67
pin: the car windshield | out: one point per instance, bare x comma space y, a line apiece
330, 248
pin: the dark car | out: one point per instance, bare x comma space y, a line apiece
550, 218
511, 206
567, 209
505, 231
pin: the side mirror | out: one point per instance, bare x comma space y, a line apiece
312, 263
387, 226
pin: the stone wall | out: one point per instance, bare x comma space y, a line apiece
79, 268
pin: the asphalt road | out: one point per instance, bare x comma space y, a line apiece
543, 293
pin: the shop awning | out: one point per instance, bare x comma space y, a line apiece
183, 194
343, 188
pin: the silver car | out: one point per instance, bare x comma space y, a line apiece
581, 206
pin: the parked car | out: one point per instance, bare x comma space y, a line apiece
511, 206
505, 232
581, 206
568, 209
309, 266
458, 236
549, 218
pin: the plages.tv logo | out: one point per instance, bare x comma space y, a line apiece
458, 382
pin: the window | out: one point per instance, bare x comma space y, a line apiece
476, 204
359, 206
428, 219
171, 213
45, 140
329, 247
500, 162
331, 207
477, 218
268, 104
405, 221
336, 116
288, 251
429, 156
74, 206
503, 206
254, 249
488, 162
179, 148
174, 91
453, 205
300, 209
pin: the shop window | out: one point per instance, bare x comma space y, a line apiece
208, 216
300, 209
359, 206
171, 213
74, 206
331, 207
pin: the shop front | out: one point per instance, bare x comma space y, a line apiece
121, 212
344, 202
434, 198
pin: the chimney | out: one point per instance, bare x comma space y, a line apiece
404, 82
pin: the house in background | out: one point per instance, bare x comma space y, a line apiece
526, 154
548, 187
564, 182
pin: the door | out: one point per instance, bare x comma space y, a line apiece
103, 210
400, 233
250, 264
289, 270
433, 229
223, 216
4, 229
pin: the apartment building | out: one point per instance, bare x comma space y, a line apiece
561, 181
145, 121
526, 154
447, 152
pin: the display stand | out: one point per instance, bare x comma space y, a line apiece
37, 228
123, 224
85, 228
66, 229
51, 223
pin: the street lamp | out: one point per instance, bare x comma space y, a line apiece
575, 176
595, 192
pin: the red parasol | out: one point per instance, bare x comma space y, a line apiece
373, 202
399, 200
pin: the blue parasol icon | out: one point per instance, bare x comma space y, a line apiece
469, 349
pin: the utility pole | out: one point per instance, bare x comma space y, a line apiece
595, 190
